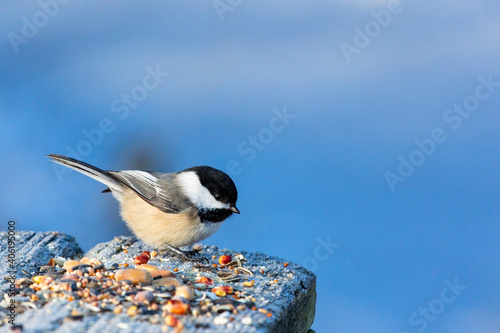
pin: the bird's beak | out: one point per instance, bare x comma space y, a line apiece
235, 210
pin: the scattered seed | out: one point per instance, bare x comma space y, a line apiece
171, 321
226, 289
220, 293
224, 259
132, 311
177, 307
205, 280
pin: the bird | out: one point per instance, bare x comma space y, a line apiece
167, 210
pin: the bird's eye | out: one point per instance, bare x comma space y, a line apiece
217, 196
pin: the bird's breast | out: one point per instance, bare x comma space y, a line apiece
157, 228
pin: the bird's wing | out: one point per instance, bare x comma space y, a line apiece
148, 187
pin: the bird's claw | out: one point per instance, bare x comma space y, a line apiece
194, 256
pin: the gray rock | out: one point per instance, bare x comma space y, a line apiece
291, 300
34, 249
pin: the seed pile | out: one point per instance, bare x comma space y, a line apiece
153, 287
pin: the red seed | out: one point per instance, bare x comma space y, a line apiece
206, 281
171, 321
225, 259
177, 307
227, 289
143, 258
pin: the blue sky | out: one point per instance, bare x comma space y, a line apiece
81, 80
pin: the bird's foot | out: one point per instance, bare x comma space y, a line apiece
191, 255
195, 256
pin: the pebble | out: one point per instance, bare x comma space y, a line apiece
167, 282
135, 276
69, 264
144, 296
162, 273
147, 267
246, 320
185, 291
92, 261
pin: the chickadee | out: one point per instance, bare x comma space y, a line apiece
167, 209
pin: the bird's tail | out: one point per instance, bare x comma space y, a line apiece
100, 175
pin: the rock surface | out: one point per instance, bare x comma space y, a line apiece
284, 295
34, 249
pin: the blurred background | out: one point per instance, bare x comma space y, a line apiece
363, 137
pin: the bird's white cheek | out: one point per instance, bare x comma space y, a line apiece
197, 193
